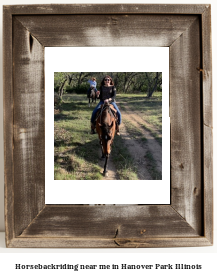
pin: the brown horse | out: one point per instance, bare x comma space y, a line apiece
106, 127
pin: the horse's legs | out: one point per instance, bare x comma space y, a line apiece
89, 102
103, 156
105, 172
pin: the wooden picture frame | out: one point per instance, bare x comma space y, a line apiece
188, 220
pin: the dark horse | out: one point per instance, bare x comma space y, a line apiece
92, 95
106, 127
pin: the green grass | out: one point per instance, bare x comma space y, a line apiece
150, 110
76, 151
123, 161
152, 167
138, 135
134, 132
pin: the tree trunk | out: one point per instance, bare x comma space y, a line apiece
152, 85
60, 92
79, 79
128, 80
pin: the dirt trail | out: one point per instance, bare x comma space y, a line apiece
138, 151
152, 145
112, 174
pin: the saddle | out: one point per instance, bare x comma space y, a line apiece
112, 110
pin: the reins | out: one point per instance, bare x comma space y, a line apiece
109, 110
100, 115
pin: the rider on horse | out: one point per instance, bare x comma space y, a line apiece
106, 94
93, 84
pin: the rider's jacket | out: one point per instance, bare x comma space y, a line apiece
107, 92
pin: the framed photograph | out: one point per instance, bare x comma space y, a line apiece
140, 153
186, 217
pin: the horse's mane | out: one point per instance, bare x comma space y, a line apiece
105, 113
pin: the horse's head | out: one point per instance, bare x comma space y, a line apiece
106, 136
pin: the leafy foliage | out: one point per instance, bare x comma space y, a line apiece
125, 82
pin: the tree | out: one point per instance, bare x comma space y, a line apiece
154, 79
139, 83
60, 79
128, 80
81, 77
124, 81
75, 79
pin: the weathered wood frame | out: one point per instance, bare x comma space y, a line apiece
188, 220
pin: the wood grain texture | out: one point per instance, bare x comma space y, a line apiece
34, 242
184, 28
8, 125
109, 222
185, 115
106, 9
107, 30
207, 118
207, 67
29, 132
208, 182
